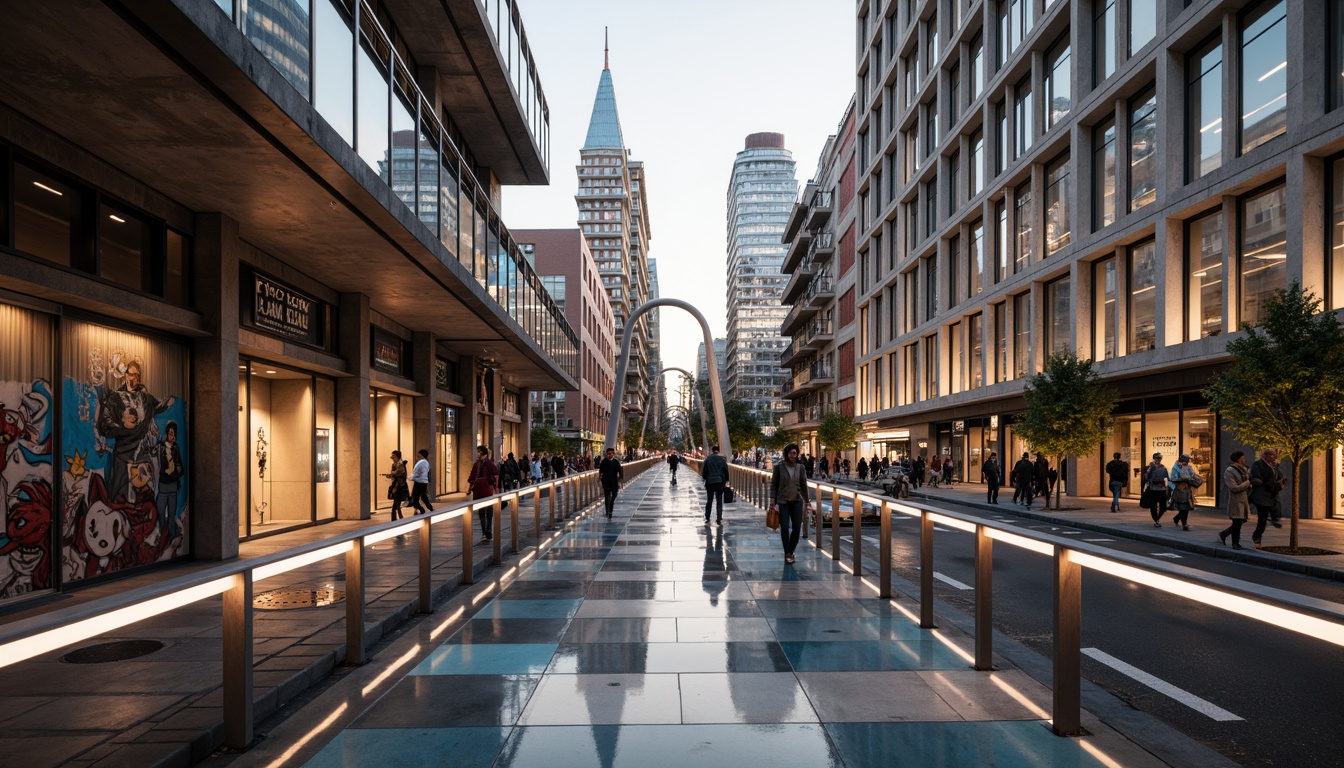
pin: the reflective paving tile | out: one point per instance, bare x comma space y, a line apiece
858, 697
412, 747
921, 652
628, 630
999, 744
841, 629
558, 565
593, 609
701, 746
604, 700
487, 659
545, 590
511, 631
723, 630
612, 658
446, 701
631, 590
529, 609
744, 698
837, 607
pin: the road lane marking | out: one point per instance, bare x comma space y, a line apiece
951, 581
1071, 533
1190, 700
1171, 555
1098, 539
940, 528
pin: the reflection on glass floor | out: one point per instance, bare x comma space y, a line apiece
653, 639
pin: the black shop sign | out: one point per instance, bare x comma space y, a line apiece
388, 353
283, 311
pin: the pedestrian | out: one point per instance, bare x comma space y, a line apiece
825, 466
935, 470
948, 467
863, 470
484, 482
1041, 473
993, 475
844, 467
790, 499
810, 463
1154, 489
1184, 480
672, 461
1118, 472
558, 465
1024, 479
715, 474
509, 474
420, 484
1237, 480
611, 475
536, 467
918, 468
1266, 482
396, 490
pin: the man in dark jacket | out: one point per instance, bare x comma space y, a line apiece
715, 474
558, 464
993, 476
1266, 482
1024, 479
1041, 472
672, 461
1117, 472
612, 475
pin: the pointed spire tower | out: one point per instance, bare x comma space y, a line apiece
613, 215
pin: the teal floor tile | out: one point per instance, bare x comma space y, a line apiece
487, 659
529, 609
918, 654
1021, 744
641, 746
412, 747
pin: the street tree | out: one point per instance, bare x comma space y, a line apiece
836, 431
743, 429
1068, 410
546, 440
1285, 385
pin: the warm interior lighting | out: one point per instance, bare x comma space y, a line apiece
1017, 540
268, 370
1286, 618
1202, 273
1272, 72
400, 530
55, 192
298, 561
116, 218
307, 737
391, 670
59, 637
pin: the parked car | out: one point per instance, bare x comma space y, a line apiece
894, 482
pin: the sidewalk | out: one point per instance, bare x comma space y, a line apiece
163, 708
1132, 522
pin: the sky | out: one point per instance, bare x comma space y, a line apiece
692, 79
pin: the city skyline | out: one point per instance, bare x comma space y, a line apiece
687, 197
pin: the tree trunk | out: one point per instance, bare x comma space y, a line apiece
1059, 480
1292, 522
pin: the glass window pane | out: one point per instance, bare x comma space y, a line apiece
1059, 325
1204, 255
334, 94
1103, 42
1001, 341
177, 285
1021, 335
404, 152
1103, 176
1142, 297
46, 215
1264, 75
373, 117
1336, 261
125, 255
1204, 133
466, 222
976, 256
448, 205
977, 345
1022, 221
1105, 315
1022, 122
1058, 85
280, 31
1142, 152
1057, 227
1335, 72
1001, 240
1142, 23
1264, 251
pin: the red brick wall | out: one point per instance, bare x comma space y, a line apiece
847, 308
846, 251
844, 363
847, 406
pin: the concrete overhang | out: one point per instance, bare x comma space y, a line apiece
455, 38
189, 107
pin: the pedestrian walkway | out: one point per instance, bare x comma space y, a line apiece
1133, 522
655, 639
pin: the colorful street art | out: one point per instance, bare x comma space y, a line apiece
25, 486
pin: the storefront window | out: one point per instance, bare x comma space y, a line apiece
391, 428
445, 448
1197, 441
1126, 439
26, 474
125, 442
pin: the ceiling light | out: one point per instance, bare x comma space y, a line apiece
56, 192
116, 218
268, 370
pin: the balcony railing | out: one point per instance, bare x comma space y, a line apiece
809, 337
822, 247
821, 288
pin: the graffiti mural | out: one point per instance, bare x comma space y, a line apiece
124, 443
25, 486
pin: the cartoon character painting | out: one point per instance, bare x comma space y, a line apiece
25, 487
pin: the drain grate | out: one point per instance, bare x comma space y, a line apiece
120, 650
291, 599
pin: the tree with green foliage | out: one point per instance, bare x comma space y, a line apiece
545, 440
743, 429
837, 432
1285, 385
1068, 411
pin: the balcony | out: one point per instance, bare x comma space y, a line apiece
810, 338
819, 374
798, 214
802, 417
819, 211
822, 247
797, 282
800, 312
798, 248
821, 290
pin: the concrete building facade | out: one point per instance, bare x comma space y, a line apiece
1126, 181
246, 252
566, 266
761, 192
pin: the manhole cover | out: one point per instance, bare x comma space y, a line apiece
290, 599
120, 650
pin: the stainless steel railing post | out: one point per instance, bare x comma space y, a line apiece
354, 603
984, 599
237, 669
926, 571
1067, 682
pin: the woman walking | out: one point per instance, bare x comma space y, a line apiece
398, 490
789, 497
863, 470
1184, 481
1237, 480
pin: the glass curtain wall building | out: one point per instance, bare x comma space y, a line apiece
1166, 179
761, 192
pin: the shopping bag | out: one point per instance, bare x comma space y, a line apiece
772, 519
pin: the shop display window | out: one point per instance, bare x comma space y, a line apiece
391, 428
445, 448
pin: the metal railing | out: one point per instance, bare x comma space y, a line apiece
823, 242
26, 638
1319, 619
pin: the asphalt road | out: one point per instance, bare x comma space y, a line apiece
1285, 690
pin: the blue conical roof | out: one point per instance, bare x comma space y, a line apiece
604, 128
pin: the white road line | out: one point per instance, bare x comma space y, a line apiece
1190, 700
873, 539
1071, 533
940, 528
1171, 555
951, 581
1098, 539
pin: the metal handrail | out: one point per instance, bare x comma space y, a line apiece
25, 638
1316, 618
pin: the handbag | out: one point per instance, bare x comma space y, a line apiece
772, 519
1146, 500
729, 495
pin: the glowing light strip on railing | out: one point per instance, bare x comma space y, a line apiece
952, 522
400, 530
1017, 540
59, 637
906, 509
298, 561
866, 499
1286, 618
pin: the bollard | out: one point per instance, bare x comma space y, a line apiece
884, 553
237, 671
835, 523
984, 599
858, 536
1067, 682
513, 521
468, 571
926, 571
354, 603
496, 533
426, 579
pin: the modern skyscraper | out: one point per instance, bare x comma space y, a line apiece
761, 193
613, 214
720, 360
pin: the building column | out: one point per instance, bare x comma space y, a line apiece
525, 438
214, 387
353, 484
496, 440
422, 372
470, 424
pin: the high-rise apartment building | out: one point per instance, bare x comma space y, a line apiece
1127, 181
720, 362
613, 215
819, 293
657, 402
761, 192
